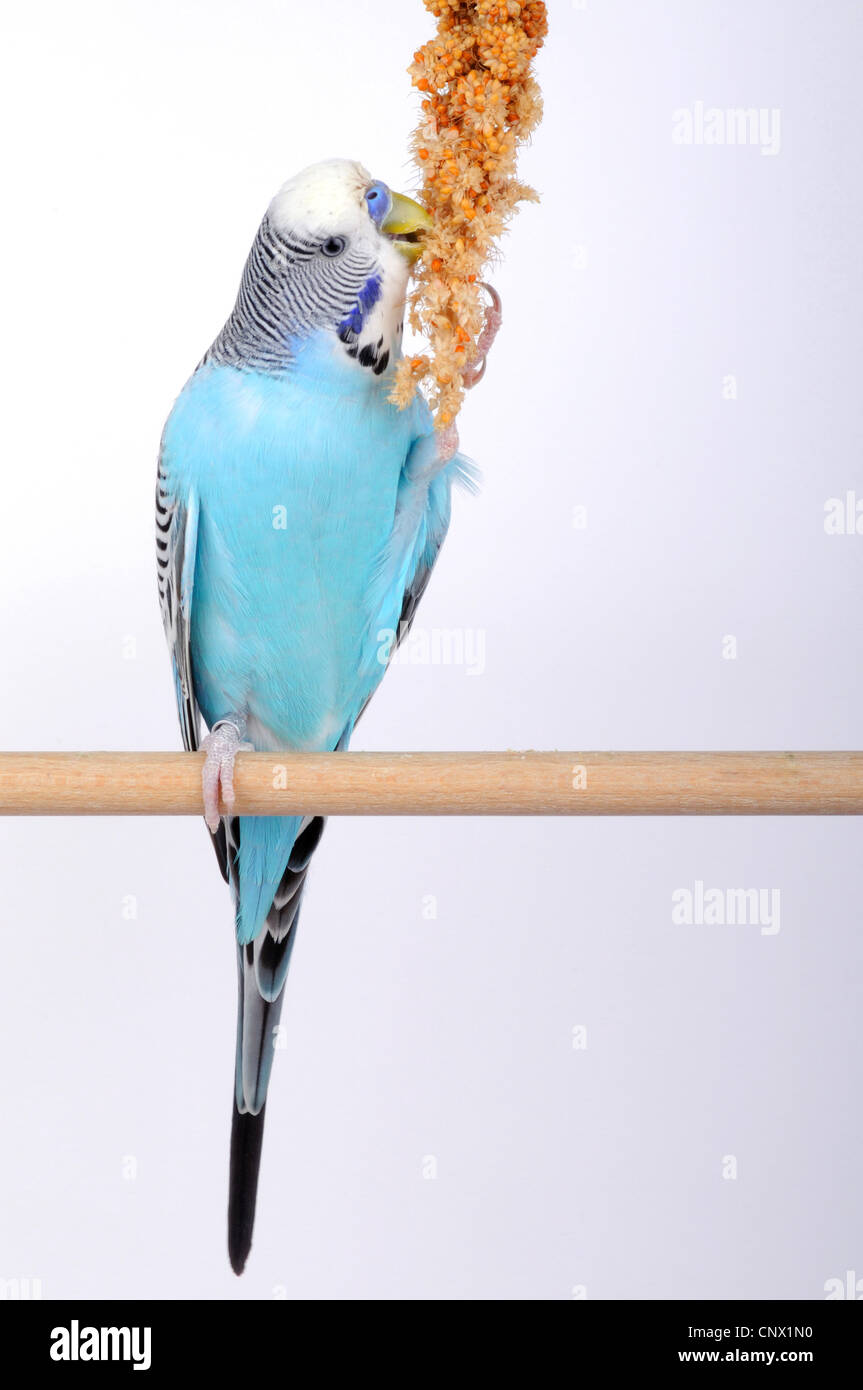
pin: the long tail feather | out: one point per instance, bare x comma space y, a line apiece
247, 1136
257, 1020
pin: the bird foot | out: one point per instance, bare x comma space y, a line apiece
493, 320
221, 746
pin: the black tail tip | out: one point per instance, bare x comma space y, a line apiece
247, 1136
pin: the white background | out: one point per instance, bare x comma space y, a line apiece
142, 144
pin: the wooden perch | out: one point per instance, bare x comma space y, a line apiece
440, 784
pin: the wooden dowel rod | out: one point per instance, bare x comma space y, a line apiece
440, 784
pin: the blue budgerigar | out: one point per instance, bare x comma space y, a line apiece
299, 513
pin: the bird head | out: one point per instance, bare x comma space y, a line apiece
334, 254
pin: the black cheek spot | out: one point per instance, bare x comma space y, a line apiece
367, 356
381, 364
352, 351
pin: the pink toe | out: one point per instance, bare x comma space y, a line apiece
447, 443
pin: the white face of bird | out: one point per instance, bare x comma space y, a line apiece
352, 241
339, 199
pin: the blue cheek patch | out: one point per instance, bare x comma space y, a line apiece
370, 293
368, 298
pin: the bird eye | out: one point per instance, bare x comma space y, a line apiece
334, 246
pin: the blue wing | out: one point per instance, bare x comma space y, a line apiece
176, 555
176, 549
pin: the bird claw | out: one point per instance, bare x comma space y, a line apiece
493, 320
221, 746
447, 442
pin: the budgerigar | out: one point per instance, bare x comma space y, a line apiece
299, 513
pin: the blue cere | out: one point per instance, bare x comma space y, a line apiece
379, 201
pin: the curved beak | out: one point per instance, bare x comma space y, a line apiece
404, 224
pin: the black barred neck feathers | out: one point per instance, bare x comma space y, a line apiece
290, 290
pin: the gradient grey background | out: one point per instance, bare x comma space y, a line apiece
143, 144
